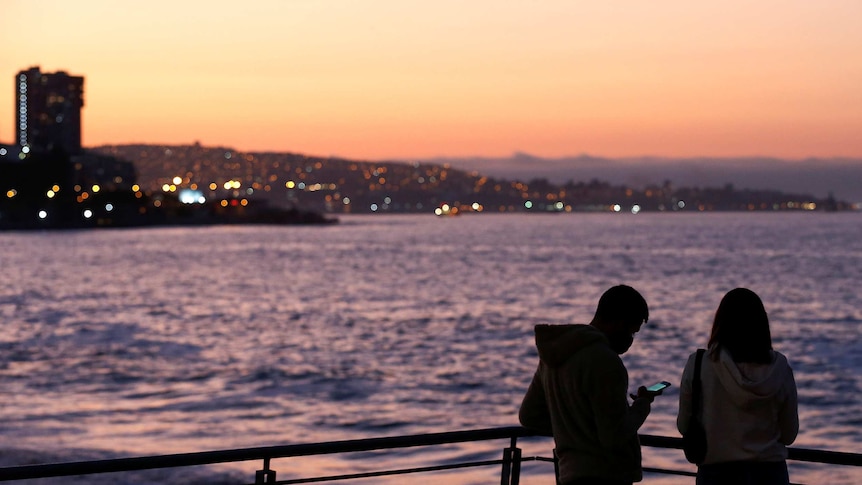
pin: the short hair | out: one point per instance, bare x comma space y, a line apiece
741, 327
622, 303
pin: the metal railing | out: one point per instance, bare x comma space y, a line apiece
510, 462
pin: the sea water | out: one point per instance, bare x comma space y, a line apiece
171, 340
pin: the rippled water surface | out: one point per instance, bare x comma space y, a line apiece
153, 341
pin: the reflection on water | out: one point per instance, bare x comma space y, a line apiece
176, 340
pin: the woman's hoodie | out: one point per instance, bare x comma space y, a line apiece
580, 393
749, 410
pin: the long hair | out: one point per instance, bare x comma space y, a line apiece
742, 328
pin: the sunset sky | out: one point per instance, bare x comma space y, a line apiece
402, 79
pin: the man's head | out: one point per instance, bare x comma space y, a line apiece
619, 315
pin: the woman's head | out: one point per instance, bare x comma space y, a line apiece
742, 328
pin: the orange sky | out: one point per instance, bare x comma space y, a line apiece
379, 79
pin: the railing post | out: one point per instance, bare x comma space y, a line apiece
265, 476
556, 467
511, 474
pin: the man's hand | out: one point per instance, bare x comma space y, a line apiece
643, 393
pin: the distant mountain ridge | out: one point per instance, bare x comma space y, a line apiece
818, 176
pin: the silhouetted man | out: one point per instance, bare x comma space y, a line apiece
579, 393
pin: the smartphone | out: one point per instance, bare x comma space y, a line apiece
658, 386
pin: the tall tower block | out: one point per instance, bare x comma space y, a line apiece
48, 110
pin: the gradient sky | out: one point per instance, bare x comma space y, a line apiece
381, 79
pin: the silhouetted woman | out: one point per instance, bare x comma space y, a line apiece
749, 397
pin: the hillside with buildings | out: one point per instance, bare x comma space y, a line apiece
347, 186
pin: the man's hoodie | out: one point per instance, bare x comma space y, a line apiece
579, 393
749, 410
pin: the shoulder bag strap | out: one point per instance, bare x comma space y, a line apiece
695, 383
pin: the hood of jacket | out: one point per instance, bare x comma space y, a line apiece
556, 343
746, 382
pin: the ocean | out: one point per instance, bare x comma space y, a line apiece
170, 340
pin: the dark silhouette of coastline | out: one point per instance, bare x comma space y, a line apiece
55, 190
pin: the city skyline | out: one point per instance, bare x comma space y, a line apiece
406, 80
48, 106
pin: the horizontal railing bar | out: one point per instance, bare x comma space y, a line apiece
826, 457
260, 453
665, 471
661, 441
537, 458
346, 446
401, 471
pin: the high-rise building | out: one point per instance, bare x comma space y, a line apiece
48, 107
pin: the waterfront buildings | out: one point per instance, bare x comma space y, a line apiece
46, 178
48, 110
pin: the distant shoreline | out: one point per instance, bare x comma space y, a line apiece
340, 186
